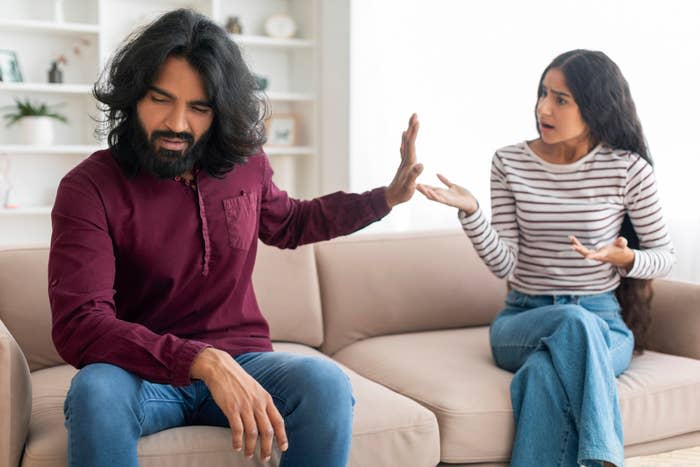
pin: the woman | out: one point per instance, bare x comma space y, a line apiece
557, 234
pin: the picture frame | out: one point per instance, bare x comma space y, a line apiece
9, 67
281, 130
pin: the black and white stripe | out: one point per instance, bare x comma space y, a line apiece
536, 205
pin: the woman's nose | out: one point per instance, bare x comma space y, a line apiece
543, 107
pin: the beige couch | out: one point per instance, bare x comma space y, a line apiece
405, 315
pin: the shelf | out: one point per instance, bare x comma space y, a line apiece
56, 88
28, 211
290, 96
289, 150
264, 41
75, 149
24, 25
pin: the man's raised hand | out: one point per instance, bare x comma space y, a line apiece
403, 185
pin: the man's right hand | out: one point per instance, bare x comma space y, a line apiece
248, 407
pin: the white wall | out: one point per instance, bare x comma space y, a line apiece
470, 70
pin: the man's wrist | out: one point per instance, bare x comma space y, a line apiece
204, 363
390, 199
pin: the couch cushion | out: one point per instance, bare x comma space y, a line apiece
388, 430
286, 286
394, 283
24, 304
452, 373
285, 283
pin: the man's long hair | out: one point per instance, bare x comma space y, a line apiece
237, 129
605, 102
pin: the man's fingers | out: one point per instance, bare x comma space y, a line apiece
416, 170
411, 133
621, 242
278, 427
402, 151
236, 425
251, 433
266, 434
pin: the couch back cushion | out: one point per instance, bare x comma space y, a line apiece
285, 283
286, 286
24, 304
374, 285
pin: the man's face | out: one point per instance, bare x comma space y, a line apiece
174, 119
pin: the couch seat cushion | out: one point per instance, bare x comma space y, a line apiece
389, 429
452, 373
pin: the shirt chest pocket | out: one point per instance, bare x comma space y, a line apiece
241, 219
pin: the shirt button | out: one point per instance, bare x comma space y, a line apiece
177, 179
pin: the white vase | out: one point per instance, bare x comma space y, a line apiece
36, 131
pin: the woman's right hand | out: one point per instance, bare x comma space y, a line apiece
454, 195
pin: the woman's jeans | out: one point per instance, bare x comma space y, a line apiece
108, 409
566, 352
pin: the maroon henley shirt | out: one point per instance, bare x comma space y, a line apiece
144, 273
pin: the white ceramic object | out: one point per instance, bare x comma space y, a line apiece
37, 131
280, 26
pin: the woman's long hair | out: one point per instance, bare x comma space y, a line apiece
237, 130
605, 102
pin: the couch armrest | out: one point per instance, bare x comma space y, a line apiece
675, 314
15, 399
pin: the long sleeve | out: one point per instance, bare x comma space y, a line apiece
495, 242
287, 223
656, 254
81, 292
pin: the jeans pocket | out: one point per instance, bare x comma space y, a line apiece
241, 219
516, 299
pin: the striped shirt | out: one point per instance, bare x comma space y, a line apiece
536, 205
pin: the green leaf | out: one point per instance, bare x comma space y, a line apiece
25, 108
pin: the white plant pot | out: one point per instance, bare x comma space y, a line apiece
37, 131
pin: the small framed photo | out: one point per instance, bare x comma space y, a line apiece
9, 67
281, 130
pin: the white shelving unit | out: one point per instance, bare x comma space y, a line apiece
46, 88
74, 149
26, 211
52, 27
38, 34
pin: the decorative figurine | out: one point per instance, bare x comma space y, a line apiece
233, 25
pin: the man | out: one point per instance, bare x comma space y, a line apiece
153, 246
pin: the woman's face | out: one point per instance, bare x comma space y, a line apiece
558, 116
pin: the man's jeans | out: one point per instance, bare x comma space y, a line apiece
107, 409
566, 352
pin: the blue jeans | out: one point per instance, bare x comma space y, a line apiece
566, 352
107, 409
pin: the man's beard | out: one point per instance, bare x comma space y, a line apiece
165, 163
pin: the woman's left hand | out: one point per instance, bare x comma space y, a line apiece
617, 253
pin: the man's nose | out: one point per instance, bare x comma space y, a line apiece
177, 120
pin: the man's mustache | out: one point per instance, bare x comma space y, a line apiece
172, 135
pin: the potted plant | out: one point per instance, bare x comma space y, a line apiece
35, 121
